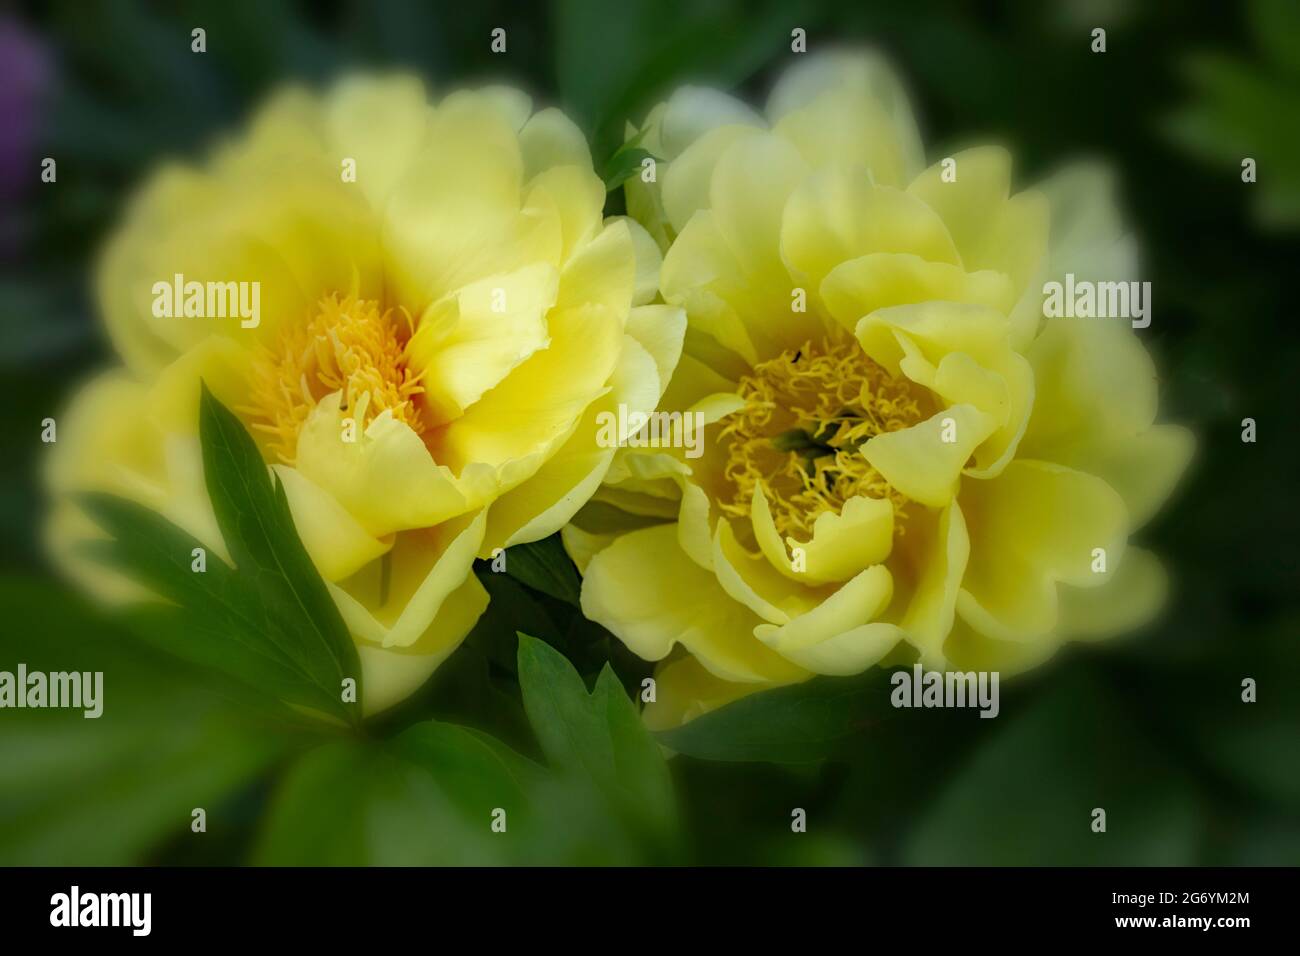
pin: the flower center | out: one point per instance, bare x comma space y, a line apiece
806, 415
348, 345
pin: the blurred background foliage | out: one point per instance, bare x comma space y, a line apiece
1149, 727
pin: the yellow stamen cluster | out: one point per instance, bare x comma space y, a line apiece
348, 345
806, 414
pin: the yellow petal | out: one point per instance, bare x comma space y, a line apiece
467, 343
536, 408
847, 127
920, 463
688, 179
1032, 526
545, 502
660, 330
1093, 379
1143, 469
838, 214
644, 590
962, 353
993, 230
929, 563
692, 112
396, 607
578, 195
1132, 597
293, 235
601, 271
971, 202
751, 186
550, 138
582, 545
380, 124
702, 276
649, 260
839, 636
694, 382
685, 689
456, 214
861, 72
386, 478
969, 649
390, 675
860, 286
751, 580
844, 544
337, 544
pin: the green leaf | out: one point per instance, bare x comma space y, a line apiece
623, 165
218, 625
545, 566
799, 724
430, 797
426, 798
639, 770
253, 514
269, 621
570, 728
106, 791
599, 736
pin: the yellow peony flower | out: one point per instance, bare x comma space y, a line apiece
904, 460
436, 315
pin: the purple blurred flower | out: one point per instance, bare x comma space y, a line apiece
25, 78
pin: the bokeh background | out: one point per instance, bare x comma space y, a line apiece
1150, 727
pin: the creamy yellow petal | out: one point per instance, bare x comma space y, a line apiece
844, 544
550, 138
386, 478
601, 272
644, 590
863, 72
968, 649
688, 179
971, 202
929, 563
838, 214
839, 636
702, 276
962, 353
545, 502
847, 127
751, 580
1032, 526
693, 382
468, 342
390, 675
379, 124
1131, 597
685, 689
578, 195
582, 545
649, 260
536, 408
1144, 469
694, 111
456, 214
394, 607
920, 463
858, 287
1093, 378
337, 544
660, 330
